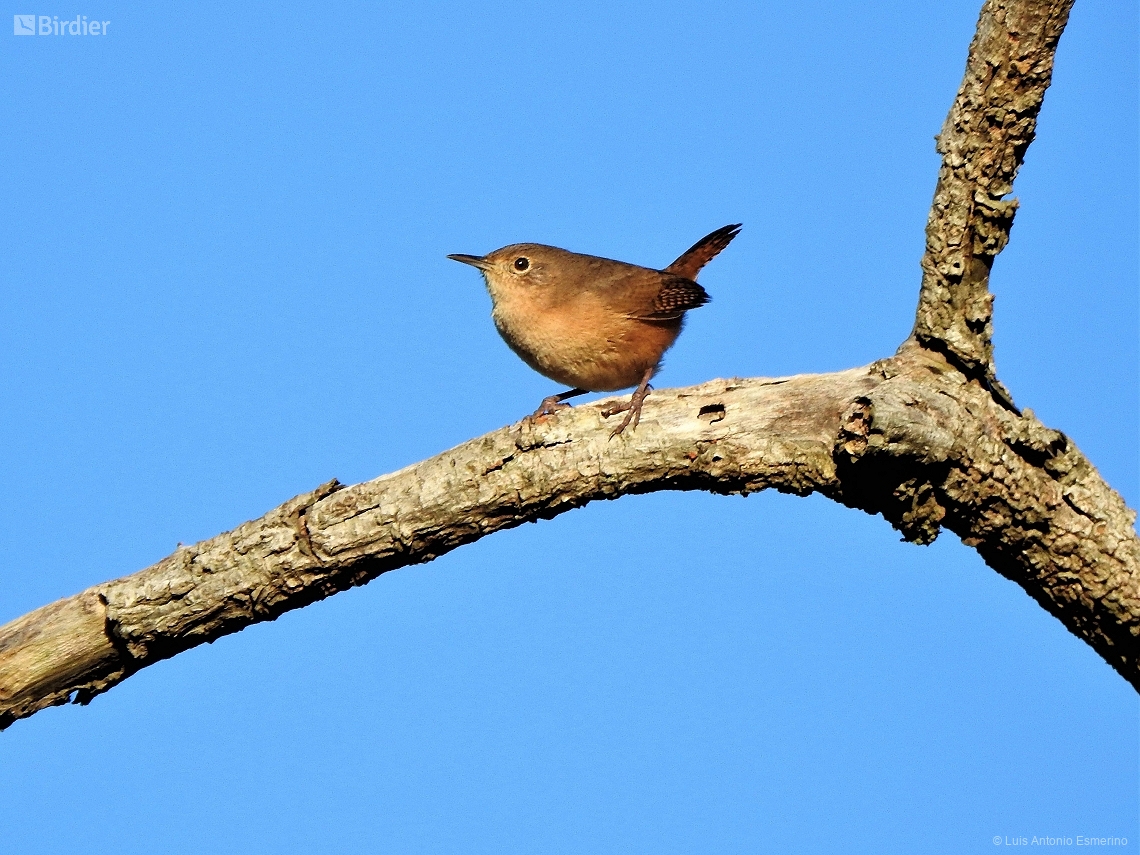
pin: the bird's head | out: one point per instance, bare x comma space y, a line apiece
519, 269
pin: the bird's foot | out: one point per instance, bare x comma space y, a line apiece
631, 408
550, 405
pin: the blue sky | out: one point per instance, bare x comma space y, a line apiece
225, 282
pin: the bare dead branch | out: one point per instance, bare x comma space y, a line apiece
910, 438
983, 144
727, 437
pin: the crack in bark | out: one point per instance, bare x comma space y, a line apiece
300, 523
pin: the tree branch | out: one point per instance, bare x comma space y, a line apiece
727, 437
928, 438
983, 144
910, 438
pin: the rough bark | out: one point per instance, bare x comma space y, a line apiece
983, 143
928, 438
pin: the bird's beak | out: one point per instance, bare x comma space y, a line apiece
473, 260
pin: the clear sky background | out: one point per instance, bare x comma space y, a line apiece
224, 234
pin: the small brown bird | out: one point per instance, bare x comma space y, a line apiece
593, 324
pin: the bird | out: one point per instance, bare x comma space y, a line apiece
590, 323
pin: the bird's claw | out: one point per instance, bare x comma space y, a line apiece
549, 406
632, 410
614, 409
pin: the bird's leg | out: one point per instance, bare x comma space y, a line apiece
632, 407
553, 403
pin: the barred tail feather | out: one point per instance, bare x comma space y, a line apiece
702, 252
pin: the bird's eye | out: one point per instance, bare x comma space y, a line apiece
522, 263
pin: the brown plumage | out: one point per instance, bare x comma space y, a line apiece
594, 324
702, 252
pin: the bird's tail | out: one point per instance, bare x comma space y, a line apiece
702, 252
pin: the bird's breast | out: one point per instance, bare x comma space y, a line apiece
583, 343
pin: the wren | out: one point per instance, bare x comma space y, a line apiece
593, 324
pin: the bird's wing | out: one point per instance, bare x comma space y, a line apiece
675, 296
702, 252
